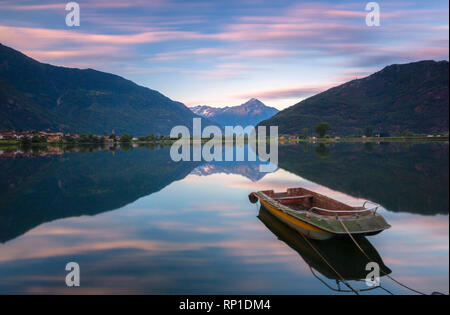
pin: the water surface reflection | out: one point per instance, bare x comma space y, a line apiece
188, 227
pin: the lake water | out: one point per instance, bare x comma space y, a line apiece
137, 222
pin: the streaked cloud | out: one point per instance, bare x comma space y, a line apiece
284, 50
98, 4
299, 92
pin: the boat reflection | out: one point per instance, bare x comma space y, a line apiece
335, 258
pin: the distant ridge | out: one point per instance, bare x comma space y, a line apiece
412, 97
249, 113
35, 95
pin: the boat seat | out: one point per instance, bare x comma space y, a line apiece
293, 197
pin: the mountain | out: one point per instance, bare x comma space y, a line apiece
35, 95
411, 97
249, 113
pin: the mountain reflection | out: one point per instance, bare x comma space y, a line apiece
400, 177
38, 187
249, 170
42, 189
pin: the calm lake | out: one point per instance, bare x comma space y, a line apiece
137, 222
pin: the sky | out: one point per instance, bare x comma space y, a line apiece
222, 53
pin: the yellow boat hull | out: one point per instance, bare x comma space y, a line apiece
300, 226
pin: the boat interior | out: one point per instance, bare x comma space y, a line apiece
301, 199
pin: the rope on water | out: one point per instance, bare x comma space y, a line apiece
329, 265
379, 286
370, 259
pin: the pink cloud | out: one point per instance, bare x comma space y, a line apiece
298, 27
75, 53
225, 53
12, 5
302, 91
265, 53
34, 7
20, 36
183, 54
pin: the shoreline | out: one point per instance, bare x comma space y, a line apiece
371, 139
13, 144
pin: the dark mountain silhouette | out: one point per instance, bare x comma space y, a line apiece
411, 97
35, 95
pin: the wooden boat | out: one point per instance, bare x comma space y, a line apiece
320, 217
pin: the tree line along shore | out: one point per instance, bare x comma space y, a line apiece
43, 138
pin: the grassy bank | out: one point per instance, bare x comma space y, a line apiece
15, 144
371, 139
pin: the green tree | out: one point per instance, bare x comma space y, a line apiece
83, 139
322, 128
358, 132
92, 139
37, 139
304, 134
126, 138
368, 132
148, 138
25, 141
68, 139
406, 133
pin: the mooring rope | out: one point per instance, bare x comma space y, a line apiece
329, 265
370, 259
379, 286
